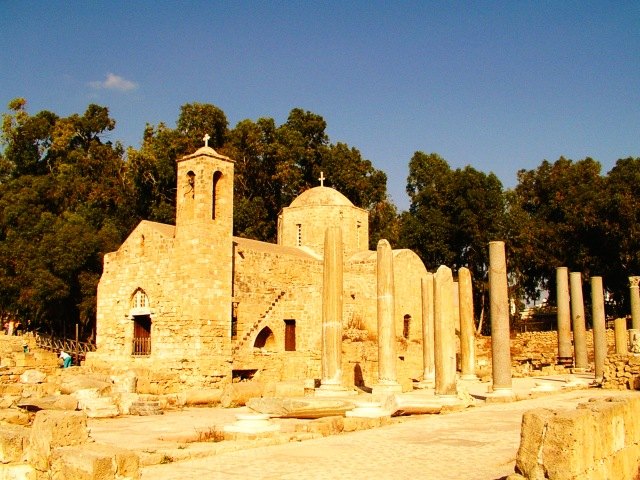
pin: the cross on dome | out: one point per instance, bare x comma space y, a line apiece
206, 140
322, 179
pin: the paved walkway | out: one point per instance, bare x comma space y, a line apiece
479, 443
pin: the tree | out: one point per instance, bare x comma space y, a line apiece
65, 202
453, 216
276, 164
619, 221
558, 207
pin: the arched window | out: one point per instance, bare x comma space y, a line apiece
139, 300
214, 193
191, 184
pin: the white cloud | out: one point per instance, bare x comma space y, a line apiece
114, 82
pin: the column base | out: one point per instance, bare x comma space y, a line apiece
328, 390
252, 423
447, 399
566, 362
428, 381
368, 410
500, 395
386, 388
470, 377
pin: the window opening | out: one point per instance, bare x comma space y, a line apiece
191, 183
234, 320
214, 193
139, 299
290, 335
406, 326
299, 235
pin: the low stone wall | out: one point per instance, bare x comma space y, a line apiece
622, 372
598, 440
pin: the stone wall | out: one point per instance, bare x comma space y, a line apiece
598, 440
622, 372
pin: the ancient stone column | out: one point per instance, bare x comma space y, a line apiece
599, 327
467, 326
387, 376
428, 354
635, 302
499, 308
565, 356
444, 332
620, 330
578, 320
332, 288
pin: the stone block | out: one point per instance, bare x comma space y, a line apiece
532, 436
51, 402
52, 429
13, 442
72, 383
203, 396
102, 407
327, 426
20, 471
25, 360
289, 389
568, 449
94, 462
14, 416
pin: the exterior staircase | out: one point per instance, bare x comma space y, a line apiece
257, 324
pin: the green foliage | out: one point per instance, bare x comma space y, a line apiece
68, 197
65, 201
453, 216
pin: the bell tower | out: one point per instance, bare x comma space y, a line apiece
203, 249
204, 194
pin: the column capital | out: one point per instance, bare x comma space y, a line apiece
634, 281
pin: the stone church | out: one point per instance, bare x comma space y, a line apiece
193, 302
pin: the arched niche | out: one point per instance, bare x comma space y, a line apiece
265, 339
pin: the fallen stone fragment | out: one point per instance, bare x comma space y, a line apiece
94, 461
33, 376
51, 402
13, 442
307, 407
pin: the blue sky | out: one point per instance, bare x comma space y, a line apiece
499, 86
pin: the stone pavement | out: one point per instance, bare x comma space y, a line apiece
479, 443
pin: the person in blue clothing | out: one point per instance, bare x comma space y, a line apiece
66, 359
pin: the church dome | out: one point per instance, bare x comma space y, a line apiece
318, 196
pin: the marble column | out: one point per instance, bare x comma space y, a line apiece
599, 327
467, 326
387, 376
444, 332
565, 356
499, 308
332, 288
578, 320
620, 330
635, 302
428, 354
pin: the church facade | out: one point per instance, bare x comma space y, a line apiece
195, 303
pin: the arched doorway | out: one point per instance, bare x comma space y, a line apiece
141, 316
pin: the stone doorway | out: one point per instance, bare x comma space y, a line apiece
289, 335
141, 335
